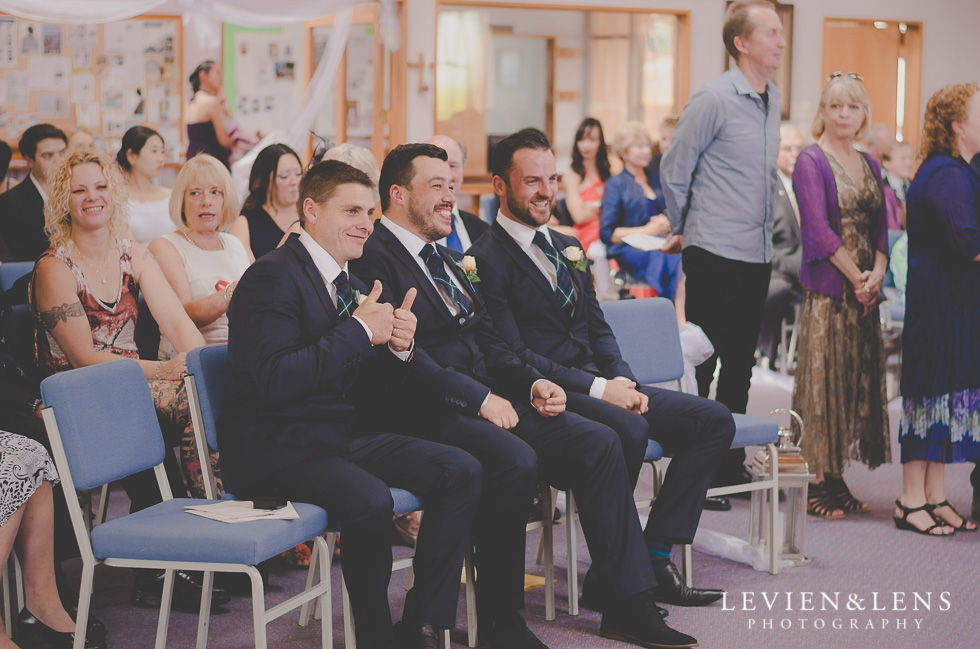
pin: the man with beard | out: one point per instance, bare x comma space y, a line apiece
540, 293
511, 404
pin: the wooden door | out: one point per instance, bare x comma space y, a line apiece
873, 49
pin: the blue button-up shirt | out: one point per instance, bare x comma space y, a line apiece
719, 174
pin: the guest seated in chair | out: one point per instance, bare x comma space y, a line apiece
303, 334
541, 297
83, 298
630, 206
27, 518
455, 330
787, 250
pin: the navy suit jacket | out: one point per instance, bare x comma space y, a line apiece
528, 316
296, 374
22, 222
475, 226
468, 347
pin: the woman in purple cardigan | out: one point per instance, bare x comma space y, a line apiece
840, 377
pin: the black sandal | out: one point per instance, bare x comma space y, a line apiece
845, 499
821, 502
963, 520
904, 524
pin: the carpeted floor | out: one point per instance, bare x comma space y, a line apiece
882, 580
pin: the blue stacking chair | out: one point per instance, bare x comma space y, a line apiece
103, 427
12, 271
207, 373
648, 338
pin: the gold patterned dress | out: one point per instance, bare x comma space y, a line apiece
840, 378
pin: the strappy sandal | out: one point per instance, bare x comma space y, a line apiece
904, 524
963, 520
846, 501
821, 502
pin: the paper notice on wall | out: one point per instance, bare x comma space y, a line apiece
113, 124
86, 36
53, 104
18, 92
49, 72
123, 36
8, 42
87, 114
81, 59
82, 87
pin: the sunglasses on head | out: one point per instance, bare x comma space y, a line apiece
851, 75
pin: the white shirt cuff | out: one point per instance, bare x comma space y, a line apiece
405, 355
532, 388
598, 387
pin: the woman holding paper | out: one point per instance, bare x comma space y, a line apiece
630, 207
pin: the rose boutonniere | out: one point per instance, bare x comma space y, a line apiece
358, 298
578, 259
468, 266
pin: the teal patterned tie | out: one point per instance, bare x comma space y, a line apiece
345, 296
565, 288
437, 269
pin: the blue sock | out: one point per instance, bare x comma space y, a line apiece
659, 554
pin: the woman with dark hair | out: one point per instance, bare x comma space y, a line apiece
940, 345
270, 208
142, 156
205, 114
586, 182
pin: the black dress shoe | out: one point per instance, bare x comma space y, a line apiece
33, 632
148, 591
510, 632
635, 619
595, 598
671, 589
411, 637
717, 504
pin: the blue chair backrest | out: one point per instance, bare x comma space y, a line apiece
648, 338
107, 421
209, 366
13, 271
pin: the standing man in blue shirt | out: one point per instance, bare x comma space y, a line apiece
719, 179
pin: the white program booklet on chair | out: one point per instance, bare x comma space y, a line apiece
241, 511
644, 242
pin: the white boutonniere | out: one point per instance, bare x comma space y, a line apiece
468, 266
575, 255
358, 298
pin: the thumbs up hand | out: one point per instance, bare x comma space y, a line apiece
404, 323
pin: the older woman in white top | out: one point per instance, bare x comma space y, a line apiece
142, 157
202, 263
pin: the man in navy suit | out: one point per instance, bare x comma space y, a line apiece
43, 147
301, 336
455, 330
467, 227
538, 288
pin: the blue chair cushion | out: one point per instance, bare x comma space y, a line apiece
165, 532
751, 430
405, 501
654, 451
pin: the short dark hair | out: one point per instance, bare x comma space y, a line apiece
503, 152
321, 181
134, 140
399, 167
263, 169
738, 22
29, 139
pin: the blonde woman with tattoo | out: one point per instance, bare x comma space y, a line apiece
85, 290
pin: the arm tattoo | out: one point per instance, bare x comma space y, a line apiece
54, 315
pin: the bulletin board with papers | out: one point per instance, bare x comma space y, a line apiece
103, 78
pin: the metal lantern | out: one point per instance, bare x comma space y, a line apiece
794, 481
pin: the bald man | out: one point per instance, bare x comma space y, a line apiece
467, 227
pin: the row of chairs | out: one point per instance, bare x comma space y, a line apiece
103, 427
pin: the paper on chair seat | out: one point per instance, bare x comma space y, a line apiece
241, 511
644, 242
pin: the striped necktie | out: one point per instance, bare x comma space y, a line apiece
443, 282
565, 288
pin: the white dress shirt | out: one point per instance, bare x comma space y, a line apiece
329, 270
40, 190
523, 236
790, 192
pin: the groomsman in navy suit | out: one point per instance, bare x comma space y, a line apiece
455, 330
303, 336
467, 227
539, 290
